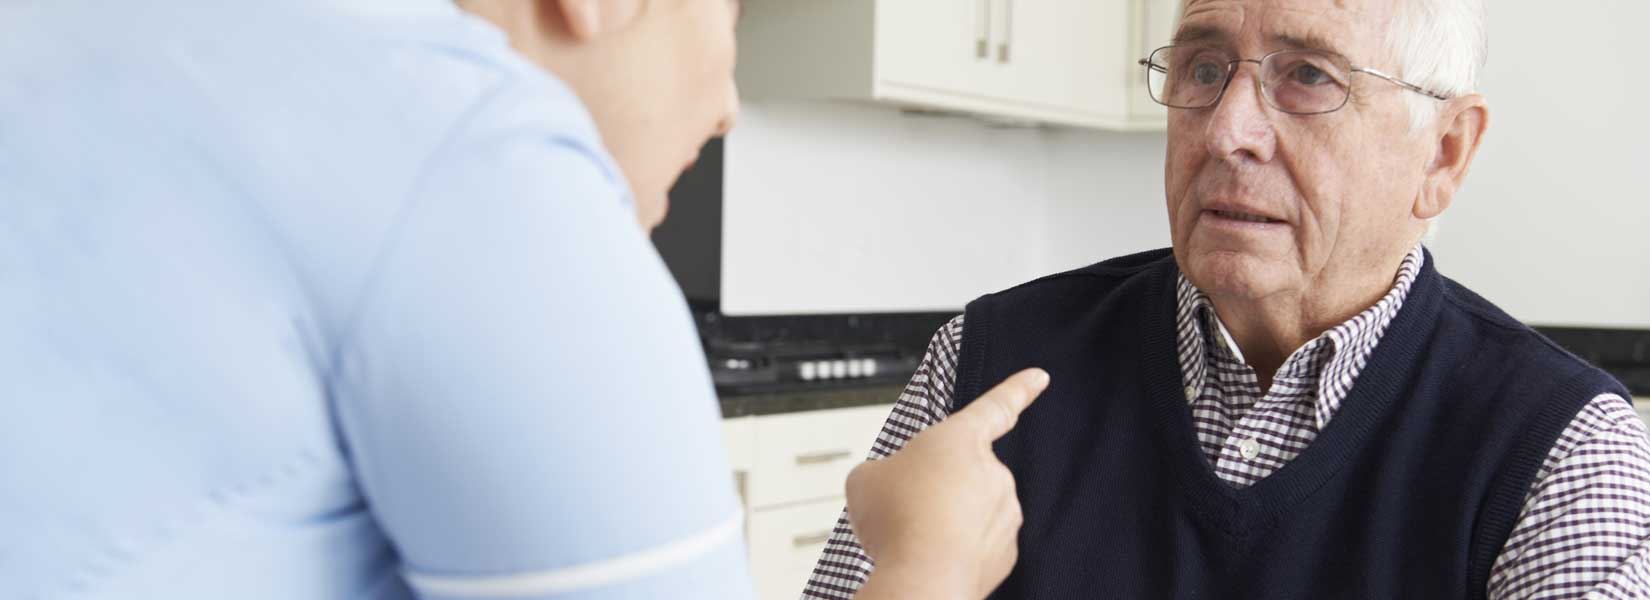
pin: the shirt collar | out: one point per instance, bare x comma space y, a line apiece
1334, 358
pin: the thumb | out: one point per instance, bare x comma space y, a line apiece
995, 412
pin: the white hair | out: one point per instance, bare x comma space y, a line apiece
1440, 45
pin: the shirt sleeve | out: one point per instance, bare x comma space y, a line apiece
843, 566
522, 394
1585, 528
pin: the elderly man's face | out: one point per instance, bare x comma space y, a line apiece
1336, 189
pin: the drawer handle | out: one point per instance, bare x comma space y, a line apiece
1008, 32
982, 42
811, 539
823, 457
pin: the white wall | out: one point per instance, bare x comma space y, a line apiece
1554, 222
1106, 197
842, 208
850, 208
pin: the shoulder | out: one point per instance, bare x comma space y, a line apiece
459, 77
435, 138
1493, 332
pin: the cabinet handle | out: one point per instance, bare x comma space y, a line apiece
1008, 32
823, 457
811, 539
982, 30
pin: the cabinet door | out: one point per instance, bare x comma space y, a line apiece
807, 455
1066, 55
933, 45
1157, 20
739, 437
785, 544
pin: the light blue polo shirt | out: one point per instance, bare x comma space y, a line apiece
320, 299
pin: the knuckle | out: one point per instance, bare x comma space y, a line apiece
1001, 416
1012, 394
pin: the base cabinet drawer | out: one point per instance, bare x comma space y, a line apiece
802, 457
790, 470
785, 543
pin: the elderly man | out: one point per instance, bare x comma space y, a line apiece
1294, 402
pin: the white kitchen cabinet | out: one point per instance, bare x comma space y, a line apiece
739, 438
1065, 58
922, 47
807, 456
1059, 62
785, 543
791, 469
1154, 22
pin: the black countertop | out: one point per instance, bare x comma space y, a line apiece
800, 401
1625, 353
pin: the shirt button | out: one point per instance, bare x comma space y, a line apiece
1191, 392
1249, 449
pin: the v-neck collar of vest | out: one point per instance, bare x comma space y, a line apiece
1394, 361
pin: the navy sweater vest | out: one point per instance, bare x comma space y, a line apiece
1410, 491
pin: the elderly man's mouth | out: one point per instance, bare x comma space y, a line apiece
1238, 218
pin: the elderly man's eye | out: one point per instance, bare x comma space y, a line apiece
1309, 75
1207, 73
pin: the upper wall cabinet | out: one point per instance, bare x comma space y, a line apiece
1059, 62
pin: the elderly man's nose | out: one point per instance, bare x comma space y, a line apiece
1240, 127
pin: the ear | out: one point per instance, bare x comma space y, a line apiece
1462, 123
585, 20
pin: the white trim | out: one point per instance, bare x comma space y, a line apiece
589, 575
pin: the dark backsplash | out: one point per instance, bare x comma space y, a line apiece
690, 241
1625, 353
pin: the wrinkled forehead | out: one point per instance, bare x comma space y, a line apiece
1353, 28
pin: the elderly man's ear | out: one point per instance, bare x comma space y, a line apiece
584, 20
1461, 125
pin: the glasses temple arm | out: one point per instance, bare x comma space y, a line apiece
1401, 83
